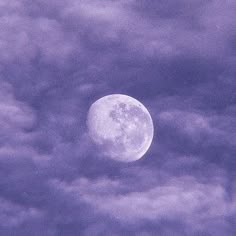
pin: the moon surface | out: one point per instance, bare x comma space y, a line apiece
121, 126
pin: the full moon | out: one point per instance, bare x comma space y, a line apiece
121, 126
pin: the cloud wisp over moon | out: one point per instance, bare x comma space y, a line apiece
177, 58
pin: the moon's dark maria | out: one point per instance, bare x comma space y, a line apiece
121, 127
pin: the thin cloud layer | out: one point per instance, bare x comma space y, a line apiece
58, 57
13, 215
180, 198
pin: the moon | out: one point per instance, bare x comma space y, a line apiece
121, 126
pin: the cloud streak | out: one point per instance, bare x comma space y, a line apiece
182, 198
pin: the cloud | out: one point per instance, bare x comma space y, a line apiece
191, 123
16, 219
201, 128
67, 29
182, 198
25, 38
58, 57
15, 117
13, 215
170, 35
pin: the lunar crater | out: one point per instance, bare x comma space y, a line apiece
121, 126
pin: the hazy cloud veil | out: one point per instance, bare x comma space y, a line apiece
177, 57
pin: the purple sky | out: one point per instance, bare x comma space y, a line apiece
177, 57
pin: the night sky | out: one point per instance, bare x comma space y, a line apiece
176, 57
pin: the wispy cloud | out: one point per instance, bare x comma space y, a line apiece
182, 198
